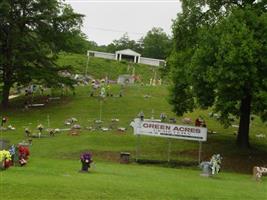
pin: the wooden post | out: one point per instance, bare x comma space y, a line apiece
48, 121
87, 64
137, 147
199, 152
100, 110
169, 150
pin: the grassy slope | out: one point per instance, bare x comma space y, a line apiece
99, 68
52, 170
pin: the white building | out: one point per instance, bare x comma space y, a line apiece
129, 55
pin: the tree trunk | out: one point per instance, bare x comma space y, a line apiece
243, 131
5, 95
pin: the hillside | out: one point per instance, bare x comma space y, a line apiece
87, 109
99, 68
52, 171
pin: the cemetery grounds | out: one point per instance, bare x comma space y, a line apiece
52, 170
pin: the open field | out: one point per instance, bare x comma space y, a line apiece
52, 172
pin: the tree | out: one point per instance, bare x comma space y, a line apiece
124, 43
157, 44
31, 35
220, 60
78, 43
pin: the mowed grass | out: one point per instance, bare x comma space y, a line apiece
52, 172
59, 179
101, 68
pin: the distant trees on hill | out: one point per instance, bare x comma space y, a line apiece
155, 44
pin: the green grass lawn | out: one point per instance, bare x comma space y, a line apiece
100, 68
59, 179
52, 172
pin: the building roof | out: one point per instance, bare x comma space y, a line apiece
128, 52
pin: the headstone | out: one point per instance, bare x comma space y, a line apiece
54, 98
141, 115
4, 144
150, 81
146, 96
187, 120
172, 120
260, 136
154, 82
76, 126
125, 157
74, 132
10, 127
105, 129
27, 132
36, 105
159, 82
206, 169
121, 129
163, 117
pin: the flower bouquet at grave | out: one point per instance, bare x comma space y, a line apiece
40, 127
216, 161
12, 151
23, 155
102, 93
27, 132
5, 159
86, 160
3, 121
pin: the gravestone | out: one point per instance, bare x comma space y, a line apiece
4, 144
125, 157
212, 167
206, 169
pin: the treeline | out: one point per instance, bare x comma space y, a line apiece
155, 44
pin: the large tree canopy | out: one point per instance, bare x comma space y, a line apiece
157, 44
31, 34
220, 60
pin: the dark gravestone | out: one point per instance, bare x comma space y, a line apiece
125, 157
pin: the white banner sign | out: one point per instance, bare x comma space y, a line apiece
158, 129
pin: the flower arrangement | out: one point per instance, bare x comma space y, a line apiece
4, 120
5, 155
40, 127
23, 155
216, 161
86, 160
5, 159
